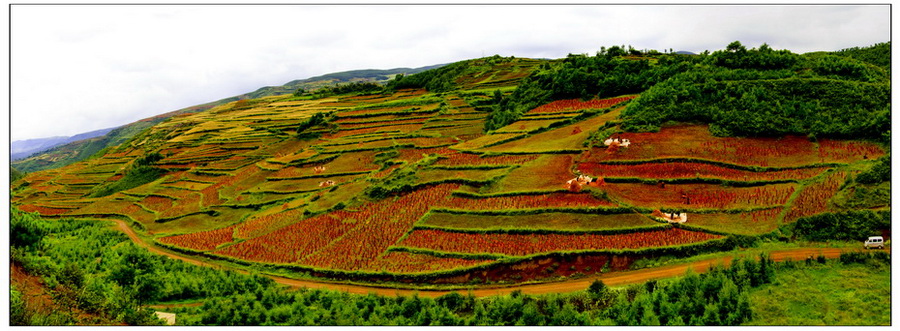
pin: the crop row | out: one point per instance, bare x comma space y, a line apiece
43, 210
201, 241
341, 239
552, 200
697, 142
844, 150
700, 195
577, 104
521, 244
757, 154
814, 198
457, 159
671, 170
379, 226
405, 262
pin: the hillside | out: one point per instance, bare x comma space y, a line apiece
506, 170
23, 148
55, 153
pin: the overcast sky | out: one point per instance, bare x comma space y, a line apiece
78, 68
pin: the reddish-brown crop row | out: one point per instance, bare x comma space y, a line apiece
342, 239
552, 200
765, 215
43, 210
211, 193
292, 242
185, 205
256, 226
577, 104
848, 150
203, 241
814, 198
691, 170
474, 159
700, 195
518, 244
403, 262
759, 196
737, 149
378, 226
696, 141
157, 203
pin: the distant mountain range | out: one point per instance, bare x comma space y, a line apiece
21, 149
54, 152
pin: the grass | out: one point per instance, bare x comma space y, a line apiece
547, 172
749, 223
527, 126
829, 294
439, 175
569, 137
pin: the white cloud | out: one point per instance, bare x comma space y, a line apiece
81, 68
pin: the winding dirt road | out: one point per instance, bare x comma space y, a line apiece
610, 279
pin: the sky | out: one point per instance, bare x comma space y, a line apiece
78, 68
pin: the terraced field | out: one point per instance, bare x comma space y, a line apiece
408, 184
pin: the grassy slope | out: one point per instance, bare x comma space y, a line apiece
64, 155
831, 294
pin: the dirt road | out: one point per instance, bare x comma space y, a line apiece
611, 279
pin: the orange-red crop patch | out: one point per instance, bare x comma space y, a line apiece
527, 244
404, 262
571, 105
682, 170
695, 141
699, 196
201, 241
814, 198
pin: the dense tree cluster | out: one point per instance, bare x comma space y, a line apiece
880, 172
607, 74
739, 91
443, 79
854, 225
878, 54
307, 128
140, 172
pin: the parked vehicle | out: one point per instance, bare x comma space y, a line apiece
876, 242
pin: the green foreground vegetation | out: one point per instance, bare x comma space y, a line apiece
105, 275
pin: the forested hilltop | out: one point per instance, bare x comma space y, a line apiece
739, 91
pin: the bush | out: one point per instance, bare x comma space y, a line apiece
880, 172
851, 225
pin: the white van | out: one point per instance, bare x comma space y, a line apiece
877, 242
